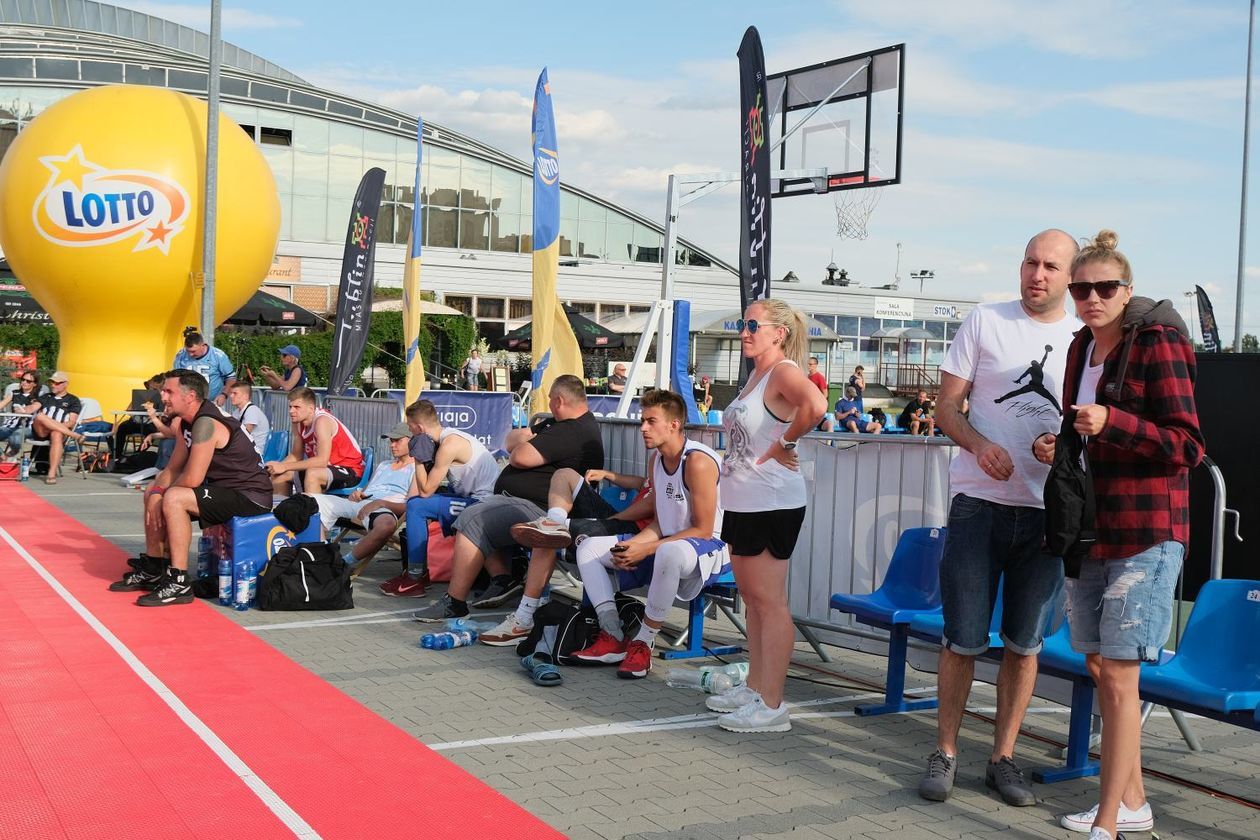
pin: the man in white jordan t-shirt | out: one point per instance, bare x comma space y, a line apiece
1007, 362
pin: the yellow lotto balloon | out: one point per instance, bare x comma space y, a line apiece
101, 218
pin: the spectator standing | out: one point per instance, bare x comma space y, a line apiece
293, 376
763, 499
858, 382
211, 362
25, 400
1130, 391
253, 419
617, 382
472, 370
820, 381
996, 516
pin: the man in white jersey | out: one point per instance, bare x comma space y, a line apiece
996, 517
378, 506
674, 555
469, 471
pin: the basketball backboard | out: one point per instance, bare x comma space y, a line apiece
842, 116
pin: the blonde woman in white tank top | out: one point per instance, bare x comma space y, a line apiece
763, 499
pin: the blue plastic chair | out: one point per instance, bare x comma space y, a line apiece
911, 588
277, 445
369, 460
1217, 664
1059, 660
618, 497
723, 585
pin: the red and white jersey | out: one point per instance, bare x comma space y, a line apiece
345, 449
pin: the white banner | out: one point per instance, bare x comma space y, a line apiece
902, 308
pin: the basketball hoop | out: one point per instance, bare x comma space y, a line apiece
853, 209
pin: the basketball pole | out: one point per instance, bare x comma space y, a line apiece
1242, 209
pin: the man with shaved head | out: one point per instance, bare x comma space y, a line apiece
996, 516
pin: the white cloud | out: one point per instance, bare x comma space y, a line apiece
1207, 101
198, 16
975, 268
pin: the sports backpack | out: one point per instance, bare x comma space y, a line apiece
307, 576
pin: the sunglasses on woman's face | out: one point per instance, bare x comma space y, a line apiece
1106, 289
32, 381
751, 325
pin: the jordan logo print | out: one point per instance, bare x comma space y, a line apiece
1036, 382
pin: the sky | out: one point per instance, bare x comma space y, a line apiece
1018, 116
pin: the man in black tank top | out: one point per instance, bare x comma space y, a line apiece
212, 477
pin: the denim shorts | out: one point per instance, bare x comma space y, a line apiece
988, 541
1123, 609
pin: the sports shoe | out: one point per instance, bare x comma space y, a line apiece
499, 592
731, 699
1140, 819
606, 649
508, 632
637, 661
756, 716
938, 780
440, 610
174, 589
542, 533
1007, 779
407, 585
147, 575
1103, 834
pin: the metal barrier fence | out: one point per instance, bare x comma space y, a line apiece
367, 420
623, 443
275, 404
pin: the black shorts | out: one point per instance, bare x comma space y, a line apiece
588, 504
342, 478
216, 505
372, 517
749, 534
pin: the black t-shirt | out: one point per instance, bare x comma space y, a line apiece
59, 408
617, 380
575, 444
235, 465
907, 413
23, 400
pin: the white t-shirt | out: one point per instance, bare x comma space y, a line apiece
1087, 390
254, 416
1015, 367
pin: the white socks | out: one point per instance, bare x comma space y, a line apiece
525, 612
560, 515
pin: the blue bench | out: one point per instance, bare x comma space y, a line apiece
721, 587
911, 590
277, 445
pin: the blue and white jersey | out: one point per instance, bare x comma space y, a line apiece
389, 484
214, 366
673, 499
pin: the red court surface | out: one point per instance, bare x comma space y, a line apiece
89, 749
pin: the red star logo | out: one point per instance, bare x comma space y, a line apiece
158, 233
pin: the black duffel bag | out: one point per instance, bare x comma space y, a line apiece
307, 576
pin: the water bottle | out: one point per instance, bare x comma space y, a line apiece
205, 557
225, 580
446, 641
737, 671
459, 625
26, 468
711, 680
244, 583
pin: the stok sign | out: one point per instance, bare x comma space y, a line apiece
85, 205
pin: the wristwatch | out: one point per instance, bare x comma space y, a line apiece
789, 445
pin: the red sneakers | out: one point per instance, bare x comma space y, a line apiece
406, 586
637, 663
604, 649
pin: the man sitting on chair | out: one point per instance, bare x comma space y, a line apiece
323, 455
213, 476
470, 471
377, 507
57, 417
675, 555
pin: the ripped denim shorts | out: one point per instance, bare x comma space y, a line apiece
1123, 609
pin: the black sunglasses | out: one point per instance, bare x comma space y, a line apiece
751, 325
1106, 289
27, 379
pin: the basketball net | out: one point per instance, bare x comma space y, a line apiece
853, 209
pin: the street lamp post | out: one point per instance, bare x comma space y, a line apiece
1194, 305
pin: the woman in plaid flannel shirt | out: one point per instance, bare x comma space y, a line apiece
1130, 383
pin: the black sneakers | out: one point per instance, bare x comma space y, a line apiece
938, 780
1007, 779
146, 575
501, 590
172, 589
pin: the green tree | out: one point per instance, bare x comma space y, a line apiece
1250, 344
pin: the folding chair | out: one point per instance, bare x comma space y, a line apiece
369, 461
911, 589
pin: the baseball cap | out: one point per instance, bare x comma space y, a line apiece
291, 350
399, 432
59, 376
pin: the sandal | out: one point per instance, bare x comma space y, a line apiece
52, 479
543, 673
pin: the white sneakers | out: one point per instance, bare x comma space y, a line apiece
1139, 820
731, 699
756, 716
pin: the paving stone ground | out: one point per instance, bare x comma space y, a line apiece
605, 758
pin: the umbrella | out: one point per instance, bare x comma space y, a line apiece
590, 335
267, 310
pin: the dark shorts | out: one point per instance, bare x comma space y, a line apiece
342, 478
588, 504
776, 531
216, 505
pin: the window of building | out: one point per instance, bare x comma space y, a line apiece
868, 327
310, 134
345, 140
647, 244
252, 131
586, 308
619, 238
310, 220
57, 68
385, 225
474, 230
275, 136
310, 174
442, 187
505, 232
489, 307
936, 328
847, 325
101, 71
507, 187
441, 227
460, 302
474, 184
520, 308
590, 240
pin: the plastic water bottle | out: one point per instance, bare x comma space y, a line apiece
205, 557
464, 623
225, 580
711, 680
244, 583
737, 671
25, 474
446, 641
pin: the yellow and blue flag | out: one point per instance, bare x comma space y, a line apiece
411, 286
555, 348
